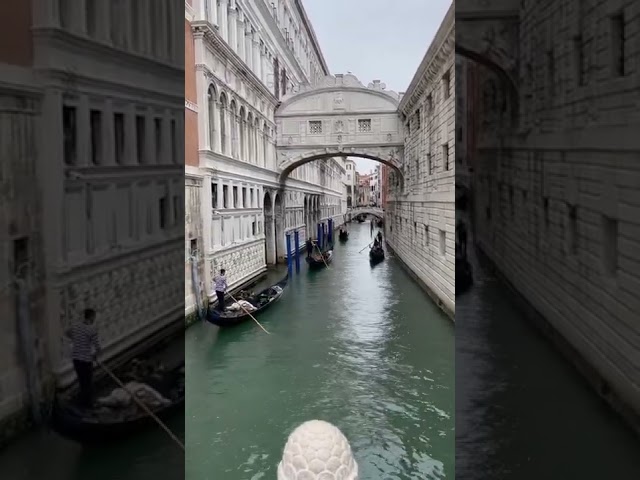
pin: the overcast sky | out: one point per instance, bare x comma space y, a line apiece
376, 39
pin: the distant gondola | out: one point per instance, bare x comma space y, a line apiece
315, 261
343, 236
376, 255
105, 424
380, 224
261, 301
360, 219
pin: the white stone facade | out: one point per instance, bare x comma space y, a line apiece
111, 165
249, 54
420, 220
351, 182
557, 209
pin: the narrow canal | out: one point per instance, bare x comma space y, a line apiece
361, 347
522, 411
149, 454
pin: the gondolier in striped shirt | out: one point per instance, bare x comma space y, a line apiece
86, 347
221, 288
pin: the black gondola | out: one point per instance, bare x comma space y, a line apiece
360, 219
380, 224
343, 236
261, 301
315, 261
104, 424
376, 255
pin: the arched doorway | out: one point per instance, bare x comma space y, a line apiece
269, 231
278, 214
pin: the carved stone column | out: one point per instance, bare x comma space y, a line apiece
257, 65
240, 49
248, 43
222, 19
232, 25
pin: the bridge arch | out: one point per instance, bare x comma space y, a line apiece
376, 212
339, 117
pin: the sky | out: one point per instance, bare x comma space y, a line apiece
376, 39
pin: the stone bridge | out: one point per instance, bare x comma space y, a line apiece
339, 117
487, 32
375, 211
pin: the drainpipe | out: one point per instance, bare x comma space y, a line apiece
27, 339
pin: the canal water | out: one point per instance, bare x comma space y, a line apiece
361, 347
149, 454
522, 411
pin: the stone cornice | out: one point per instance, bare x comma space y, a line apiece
312, 36
282, 43
212, 36
443, 42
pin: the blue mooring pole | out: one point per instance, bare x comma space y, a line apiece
320, 236
289, 253
296, 241
330, 231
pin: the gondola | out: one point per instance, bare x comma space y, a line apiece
315, 261
343, 236
380, 224
376, 255
105, 424
360, 219
261, 301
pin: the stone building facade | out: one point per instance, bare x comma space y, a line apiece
100, 124
248, 55
420, 215
556, 206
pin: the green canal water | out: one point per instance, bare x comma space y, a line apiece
361, 347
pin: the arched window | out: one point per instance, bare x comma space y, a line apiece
233, 118
223, 124
243, 135
211, 105
250, 149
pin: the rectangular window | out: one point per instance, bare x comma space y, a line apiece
244, 198
251, 197
70, 142
446, 85
253, 228
443, 245
364, 125
140, 138
163, 213
118, 130
95, 121
445, 156
429, 164
572, 238
315, 127
21, 257
214, 195
225, 196
235, 197
417, 120
193, 247
545, 204
429, 104
618, 45
610, 245
158, 131
174, 142
425, 239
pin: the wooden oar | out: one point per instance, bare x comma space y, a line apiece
365, 247
321, 255
141, 404
248, 313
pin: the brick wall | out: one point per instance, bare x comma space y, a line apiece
557, 210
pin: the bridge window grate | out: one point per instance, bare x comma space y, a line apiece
315, 126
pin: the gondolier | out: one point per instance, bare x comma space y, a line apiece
86, 347
221, 288
309, 245
379, 237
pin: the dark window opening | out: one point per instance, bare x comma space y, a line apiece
95, 121
70, 144
225, 196
163, 213
214, 195
140, 138
118, 127
618, 45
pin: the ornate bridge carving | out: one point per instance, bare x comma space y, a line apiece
487, 32
339, 117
